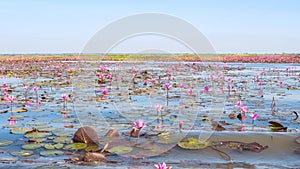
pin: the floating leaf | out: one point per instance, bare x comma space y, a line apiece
35, 133
31, 146
22, 110
23, 153
120, 150
8, 159
91, 157
62, 132
49, 146
58, 145
92, 148
51, 153
87, 135
19, 130
36, 140
75, 146
36, 123
167, 138
63, 139
5, 142
193, 143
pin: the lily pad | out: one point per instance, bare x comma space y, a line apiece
8, 159
5, 142
63, 139
22, 153
167, 138
193, 143
92, 148
75, 146
51, 153
37, 134
22, 110
62, 132
120, 150
53, 146
31, 146
19, 130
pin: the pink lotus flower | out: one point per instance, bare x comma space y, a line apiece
181, 86
104, 91
206, 89
161, 166
261, 83
168, 86
254, 116
4, 84
239, 103
153, 80
159, 107
26, 87
64, 96
244, 109
109, 76
5, 90
35, 88
140, 124
11, 98
191, 91
229, 79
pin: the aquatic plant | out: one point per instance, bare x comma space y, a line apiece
65, 98
254, 117
162, 166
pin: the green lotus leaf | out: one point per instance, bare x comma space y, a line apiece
36, 123
20, 110
193, 143
37, 134
22, 153
8, 159
51, 153
167, 138
58, 145
19, 130
120, 150
5, 142
49, 146
31, 146
92, 148
63, 139
75, 146
63, 133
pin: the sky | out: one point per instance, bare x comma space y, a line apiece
230, 26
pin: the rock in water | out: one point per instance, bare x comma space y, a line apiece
87, 135
91, 157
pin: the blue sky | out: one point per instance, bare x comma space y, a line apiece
231, 26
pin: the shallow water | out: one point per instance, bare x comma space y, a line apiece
129, 100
